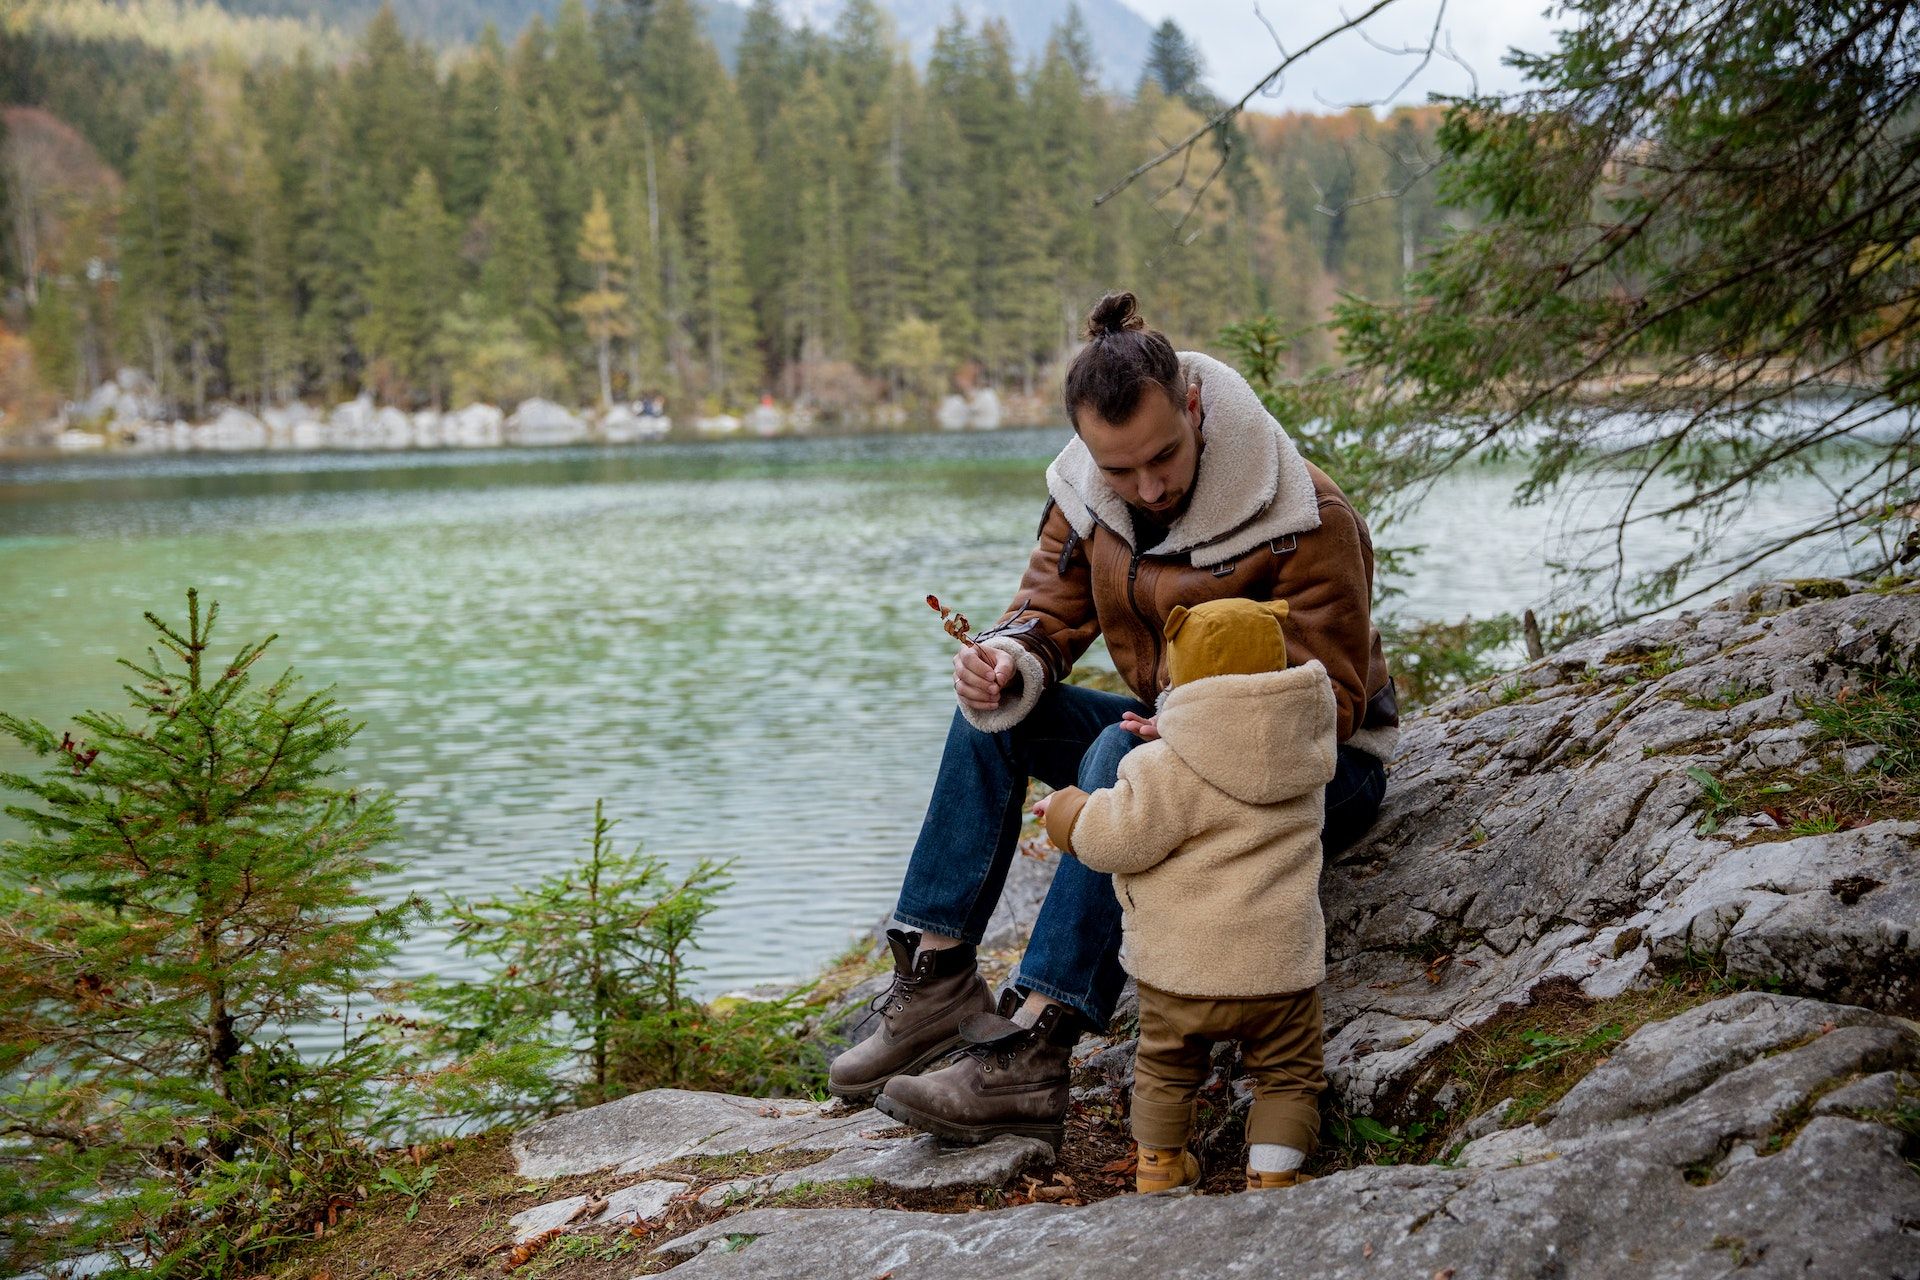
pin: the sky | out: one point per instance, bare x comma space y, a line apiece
1239, 50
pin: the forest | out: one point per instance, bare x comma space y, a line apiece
257, 209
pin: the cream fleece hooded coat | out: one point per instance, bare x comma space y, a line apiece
1212, 835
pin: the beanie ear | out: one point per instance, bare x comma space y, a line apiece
1278, 608
1176, 620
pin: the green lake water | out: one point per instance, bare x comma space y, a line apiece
728, 642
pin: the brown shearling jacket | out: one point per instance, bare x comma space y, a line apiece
1263, 524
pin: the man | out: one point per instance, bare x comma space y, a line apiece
1178, 488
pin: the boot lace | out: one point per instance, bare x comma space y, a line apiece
898, 995
1000, 1051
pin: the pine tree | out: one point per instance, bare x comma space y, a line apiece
602, 309
577, 77
171, 261
677, 68
645, 314
410, 289
518, 277
191, 885
881, 221
726, 304
261, 355
473, 133
392, 100
1174, 65
815, 280
862, 52
766, 68
333, 217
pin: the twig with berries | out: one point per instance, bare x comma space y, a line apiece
956, 624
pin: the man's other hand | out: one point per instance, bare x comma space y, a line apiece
981, 675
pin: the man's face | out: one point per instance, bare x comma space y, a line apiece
1150, 459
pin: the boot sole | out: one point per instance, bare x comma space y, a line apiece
970, 1134
868, 1092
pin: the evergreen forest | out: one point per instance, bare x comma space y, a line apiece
598, 208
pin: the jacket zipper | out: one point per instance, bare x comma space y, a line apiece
1133, 600
1133, 572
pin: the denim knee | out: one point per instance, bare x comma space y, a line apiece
1100, 767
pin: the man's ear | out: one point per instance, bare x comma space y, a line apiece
1176, 620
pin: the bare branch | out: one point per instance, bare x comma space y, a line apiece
1423, 52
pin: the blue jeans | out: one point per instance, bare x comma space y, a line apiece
1072, 737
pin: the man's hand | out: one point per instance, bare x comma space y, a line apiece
1144, 728
981, 675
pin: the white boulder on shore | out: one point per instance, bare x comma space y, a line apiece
127, 412
539, 421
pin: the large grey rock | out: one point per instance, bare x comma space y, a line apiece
919, 1163
624, 1207
1543, 829
646, 1129
1693, 1172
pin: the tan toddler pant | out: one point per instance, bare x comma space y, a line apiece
1279, 1045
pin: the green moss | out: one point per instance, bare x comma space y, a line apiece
1725, 698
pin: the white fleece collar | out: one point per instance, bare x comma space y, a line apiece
1252, 485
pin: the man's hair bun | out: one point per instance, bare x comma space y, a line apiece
1115, 313
1121, 359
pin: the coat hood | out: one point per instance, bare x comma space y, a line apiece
1261, 738
1252, 485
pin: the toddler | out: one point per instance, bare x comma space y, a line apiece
1212, 834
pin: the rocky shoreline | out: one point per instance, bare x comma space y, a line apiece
127, 415
1603, 1000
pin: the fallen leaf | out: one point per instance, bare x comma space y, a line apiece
1366, 1250
593, 1208
524, 1253
1125, 1164
1827, 1027
1444, 1273
768, 1112
1050, 1195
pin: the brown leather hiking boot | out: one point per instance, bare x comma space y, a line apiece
920, 1017
1258, 1181
1013, 1079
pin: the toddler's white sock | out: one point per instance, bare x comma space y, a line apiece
1272, 1157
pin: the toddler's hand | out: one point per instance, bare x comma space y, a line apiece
1040, 806
1145, 728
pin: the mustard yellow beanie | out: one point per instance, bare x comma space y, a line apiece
1225, 638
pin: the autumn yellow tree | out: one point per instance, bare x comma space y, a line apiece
602, 309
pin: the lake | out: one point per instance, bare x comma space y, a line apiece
728, 642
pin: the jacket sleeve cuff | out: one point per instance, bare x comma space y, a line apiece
1062, 812
1010, 712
